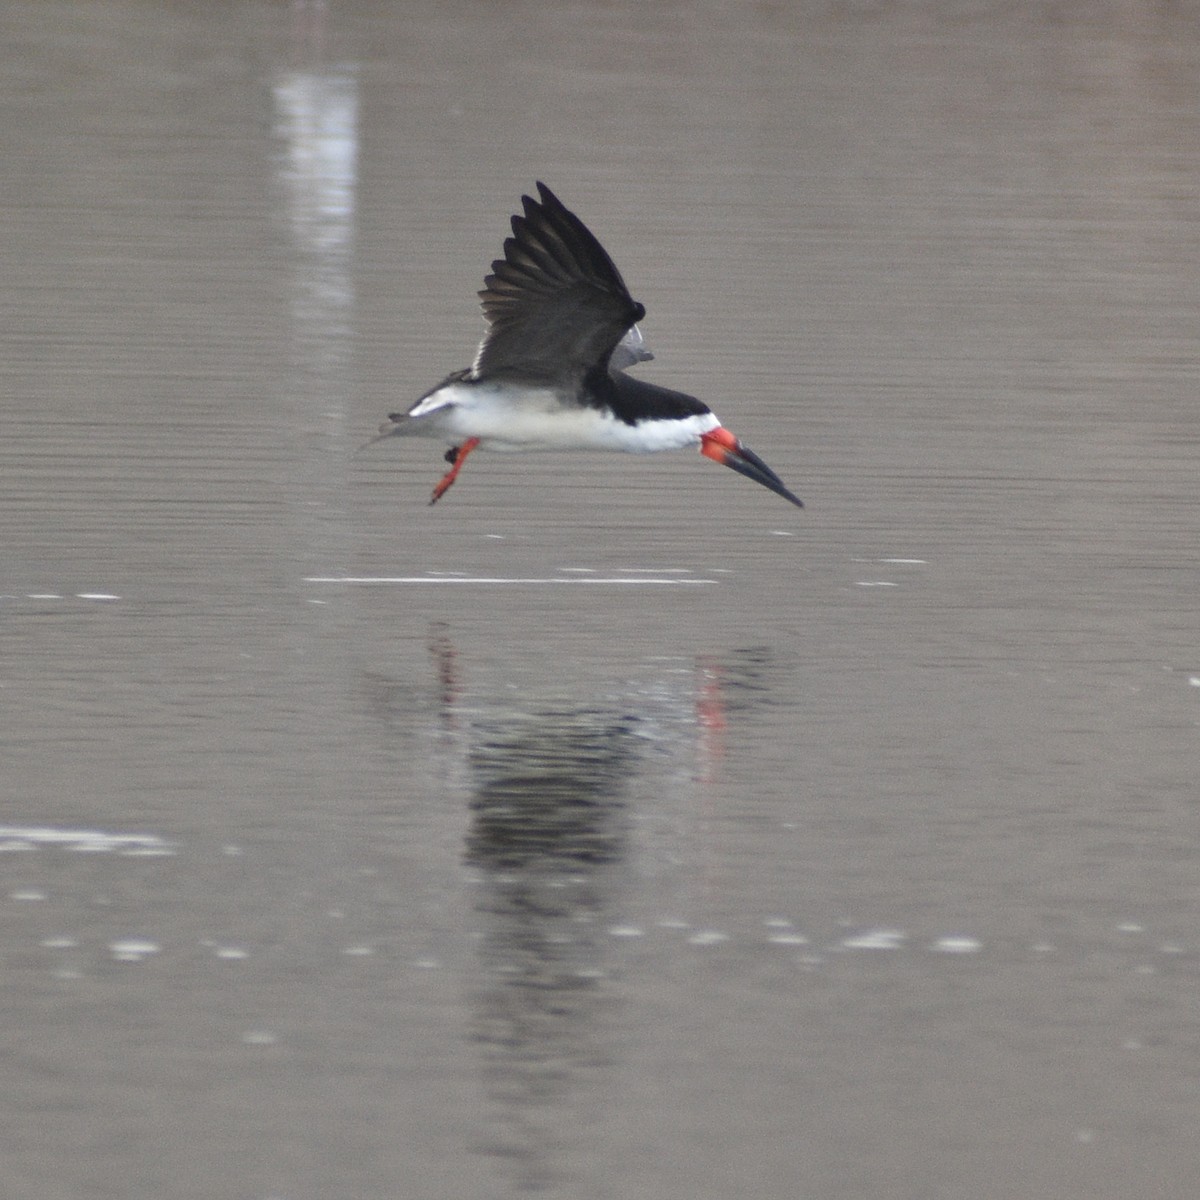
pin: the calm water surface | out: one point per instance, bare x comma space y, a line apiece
612, 829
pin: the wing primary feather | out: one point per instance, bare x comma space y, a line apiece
555, 304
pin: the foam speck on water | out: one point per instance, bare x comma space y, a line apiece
957, 944
132, 949
875, 939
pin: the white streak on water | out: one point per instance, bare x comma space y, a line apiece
133, 949
22, 837
875, 939
494, 579
957, 944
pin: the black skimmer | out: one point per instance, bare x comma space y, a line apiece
549, 374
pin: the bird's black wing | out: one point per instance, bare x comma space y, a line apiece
555, 304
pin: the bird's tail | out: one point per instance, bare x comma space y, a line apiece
395, 424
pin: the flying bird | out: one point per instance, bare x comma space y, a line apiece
550, 371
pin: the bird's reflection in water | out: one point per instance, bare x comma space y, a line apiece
573, 803
547, 789
548, 837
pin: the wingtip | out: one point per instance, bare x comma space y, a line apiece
549, 199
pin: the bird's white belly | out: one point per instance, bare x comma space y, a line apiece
538, 420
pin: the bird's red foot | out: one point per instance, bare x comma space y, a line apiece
456, 456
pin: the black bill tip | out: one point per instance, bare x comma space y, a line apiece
721, 446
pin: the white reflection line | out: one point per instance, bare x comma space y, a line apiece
84, 839
383, 579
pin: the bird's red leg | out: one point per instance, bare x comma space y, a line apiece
457, 456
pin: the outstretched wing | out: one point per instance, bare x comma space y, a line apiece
555, 304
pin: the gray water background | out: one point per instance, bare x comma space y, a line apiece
741, 851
